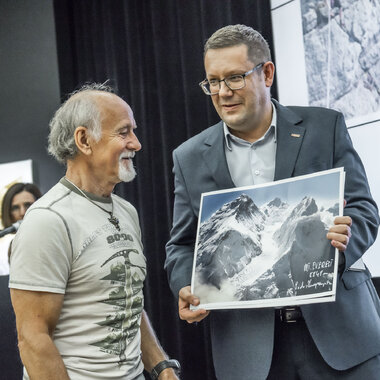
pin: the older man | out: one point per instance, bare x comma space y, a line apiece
77, 265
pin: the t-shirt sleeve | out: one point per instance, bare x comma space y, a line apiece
41, 253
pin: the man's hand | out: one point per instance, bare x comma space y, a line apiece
340, 233
186, 298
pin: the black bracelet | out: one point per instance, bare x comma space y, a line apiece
171, 363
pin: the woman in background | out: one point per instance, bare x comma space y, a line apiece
18, 198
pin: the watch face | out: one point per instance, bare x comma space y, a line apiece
175, 364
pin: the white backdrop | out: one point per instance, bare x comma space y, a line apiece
12, 172
293, 90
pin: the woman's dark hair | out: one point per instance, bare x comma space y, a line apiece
6, 205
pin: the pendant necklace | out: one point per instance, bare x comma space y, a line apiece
112, 219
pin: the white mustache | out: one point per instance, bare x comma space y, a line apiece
127, 155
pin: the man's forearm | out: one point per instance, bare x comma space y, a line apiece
42, 359
152, 352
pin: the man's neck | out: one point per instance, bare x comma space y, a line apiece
257, 129
93, 185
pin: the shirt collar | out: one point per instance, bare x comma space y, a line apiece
273, 126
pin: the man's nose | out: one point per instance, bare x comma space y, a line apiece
224, 89
134, 143
22, 211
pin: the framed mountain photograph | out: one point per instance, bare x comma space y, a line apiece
266, 245
334, 54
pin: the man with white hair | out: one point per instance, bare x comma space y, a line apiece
77, 264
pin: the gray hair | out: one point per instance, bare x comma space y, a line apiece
233, 35
80, 109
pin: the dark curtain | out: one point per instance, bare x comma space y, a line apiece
151, 51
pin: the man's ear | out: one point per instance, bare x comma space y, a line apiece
268, 70
83, 140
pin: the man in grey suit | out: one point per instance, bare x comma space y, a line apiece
257, 141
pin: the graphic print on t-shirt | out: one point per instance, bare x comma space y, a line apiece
126, 299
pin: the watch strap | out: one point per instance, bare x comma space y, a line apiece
170, 363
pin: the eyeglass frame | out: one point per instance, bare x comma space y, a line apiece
203, 83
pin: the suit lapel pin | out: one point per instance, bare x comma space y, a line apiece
295, 135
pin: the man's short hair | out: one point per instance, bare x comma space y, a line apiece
80, 109
233, 35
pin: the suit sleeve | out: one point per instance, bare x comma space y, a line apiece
360, 205
180, 248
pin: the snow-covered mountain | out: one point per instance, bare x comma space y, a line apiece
274, 210
229, 240
254, 252
291, 274
284, 236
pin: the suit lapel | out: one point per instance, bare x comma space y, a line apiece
289, 141
215, 157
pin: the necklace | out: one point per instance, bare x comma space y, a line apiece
112, 219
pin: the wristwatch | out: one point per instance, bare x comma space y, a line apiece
170, 363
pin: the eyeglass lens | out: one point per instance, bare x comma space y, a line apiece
235, 82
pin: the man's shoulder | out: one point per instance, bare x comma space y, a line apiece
51, 198
306, 112
47, 211
198, 140
121, 202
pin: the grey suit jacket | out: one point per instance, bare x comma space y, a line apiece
346, 332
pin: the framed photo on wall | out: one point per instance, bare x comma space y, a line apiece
328, 54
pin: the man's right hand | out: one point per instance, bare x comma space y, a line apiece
186, 298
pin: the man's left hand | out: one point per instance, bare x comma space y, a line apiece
340, 233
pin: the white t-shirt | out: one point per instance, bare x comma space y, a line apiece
67, 245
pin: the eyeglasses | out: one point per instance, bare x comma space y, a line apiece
233, 82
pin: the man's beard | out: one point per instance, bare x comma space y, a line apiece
126, 170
